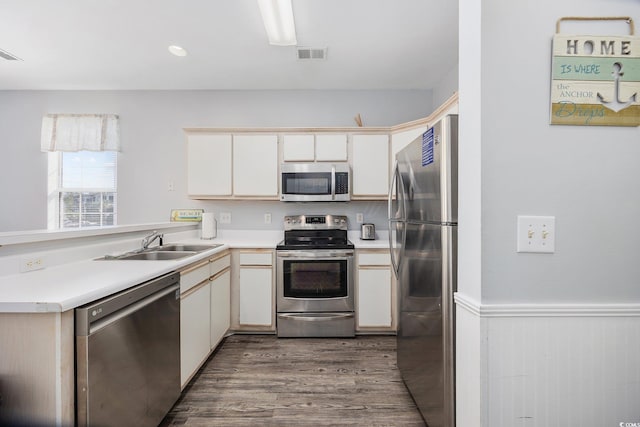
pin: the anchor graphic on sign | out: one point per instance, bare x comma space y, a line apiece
617, 105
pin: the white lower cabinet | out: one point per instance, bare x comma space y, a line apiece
255, 295
375, 292
220, 307
252, 290
204, 311
374, 297
195, 330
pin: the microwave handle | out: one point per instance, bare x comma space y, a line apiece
333, 182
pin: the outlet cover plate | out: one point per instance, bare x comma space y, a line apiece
31, 264
225, 217
536, 234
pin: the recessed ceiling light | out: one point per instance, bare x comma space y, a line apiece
177, 50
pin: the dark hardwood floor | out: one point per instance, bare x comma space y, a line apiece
260, 380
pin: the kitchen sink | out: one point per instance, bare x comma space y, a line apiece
180, 247
162, 253
155, 255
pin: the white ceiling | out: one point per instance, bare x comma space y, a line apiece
122, 44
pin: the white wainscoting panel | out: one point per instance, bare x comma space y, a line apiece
550, 367
468, 369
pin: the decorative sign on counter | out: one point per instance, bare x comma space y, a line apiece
595, 79
186, 215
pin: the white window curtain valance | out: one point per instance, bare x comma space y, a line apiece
80, 132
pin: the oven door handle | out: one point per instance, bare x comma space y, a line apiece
316, 255
319, 317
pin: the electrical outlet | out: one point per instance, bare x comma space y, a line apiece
170, 186
30, 264
267, 218
225, 217
359, 218
536, 234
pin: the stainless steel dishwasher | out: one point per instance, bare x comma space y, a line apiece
128, 355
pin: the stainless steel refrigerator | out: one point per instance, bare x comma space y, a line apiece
423, 219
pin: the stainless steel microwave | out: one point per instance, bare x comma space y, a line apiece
315, 182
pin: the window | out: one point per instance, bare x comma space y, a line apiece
82, 189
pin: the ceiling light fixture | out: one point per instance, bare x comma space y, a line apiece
277, 16
177, 50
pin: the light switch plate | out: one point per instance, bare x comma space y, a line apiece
536, 234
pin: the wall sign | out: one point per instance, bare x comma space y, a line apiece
595, 79
186, 215
427, 147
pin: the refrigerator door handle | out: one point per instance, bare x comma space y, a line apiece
396, 178
391, 186
394, 264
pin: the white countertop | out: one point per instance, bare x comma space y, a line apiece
67, 286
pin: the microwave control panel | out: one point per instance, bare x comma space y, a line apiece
342, 183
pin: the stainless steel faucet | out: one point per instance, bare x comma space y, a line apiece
151, 238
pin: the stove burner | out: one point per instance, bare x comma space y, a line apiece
315, 232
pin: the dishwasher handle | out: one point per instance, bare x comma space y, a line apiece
102, 311
130, 309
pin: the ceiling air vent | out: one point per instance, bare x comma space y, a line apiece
305, 53
9, 57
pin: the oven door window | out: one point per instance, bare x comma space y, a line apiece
312, 183
315, 279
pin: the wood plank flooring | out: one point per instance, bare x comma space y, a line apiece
260, 380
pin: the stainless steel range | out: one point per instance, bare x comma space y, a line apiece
315, 291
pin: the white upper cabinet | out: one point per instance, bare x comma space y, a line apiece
402, 139
209, 165
298, 148
331, 148
255, 165
370, 163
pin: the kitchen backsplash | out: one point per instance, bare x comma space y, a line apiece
250, 215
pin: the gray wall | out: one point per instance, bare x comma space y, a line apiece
587, 177
153, 152
446, 87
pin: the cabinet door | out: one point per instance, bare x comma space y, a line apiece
209, 165
374, 297
255, 296
371, 165
298, 148
331, 148
255, 165
195, 334
220, 307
